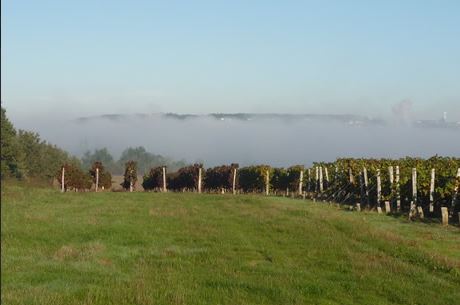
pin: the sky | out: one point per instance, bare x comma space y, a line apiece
80, 58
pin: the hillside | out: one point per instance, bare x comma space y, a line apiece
184, 248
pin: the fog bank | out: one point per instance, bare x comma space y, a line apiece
269, 141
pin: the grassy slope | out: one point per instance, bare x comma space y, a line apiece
146, 248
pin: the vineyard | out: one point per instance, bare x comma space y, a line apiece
421, 188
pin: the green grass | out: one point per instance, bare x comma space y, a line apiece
149, 248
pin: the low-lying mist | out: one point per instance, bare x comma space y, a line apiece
269, 141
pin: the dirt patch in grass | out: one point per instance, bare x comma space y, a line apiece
86, 252
66, 253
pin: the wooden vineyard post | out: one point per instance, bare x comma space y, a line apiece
455, 195
379, 188
234, 181
164, 179
420, 212
301, 182
97, 178
326, 176
387, 207
366, 184
321, 186
412, 210
131, 187
398, 194
199, 180
445, 216
350, 176
392, 178
433, 173
317, 179
414, 185
390, 173
63, 179
267, 182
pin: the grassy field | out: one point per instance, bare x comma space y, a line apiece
149, 248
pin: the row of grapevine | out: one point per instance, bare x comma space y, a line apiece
72, 177
418, 186
414, 185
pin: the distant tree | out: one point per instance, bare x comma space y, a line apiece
146, 160
25, 155
101, 155
41, 159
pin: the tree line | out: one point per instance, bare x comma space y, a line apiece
24, 155
145, 160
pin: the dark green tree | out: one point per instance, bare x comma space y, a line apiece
11, 156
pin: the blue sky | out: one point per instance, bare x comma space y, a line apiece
75, 58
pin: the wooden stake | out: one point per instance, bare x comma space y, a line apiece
390, 172
391, 176
455, 195
97, 178
234, 181
199, 180
366, 183
414, 185
412, 210
420, 212
387, 207
350, 176
63, 180
379, 188
131, 186
358, 207
301, 182
433, 173
327, 176
164, 179
317, 179
398, 194
321, 186
267, 182
445, 216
